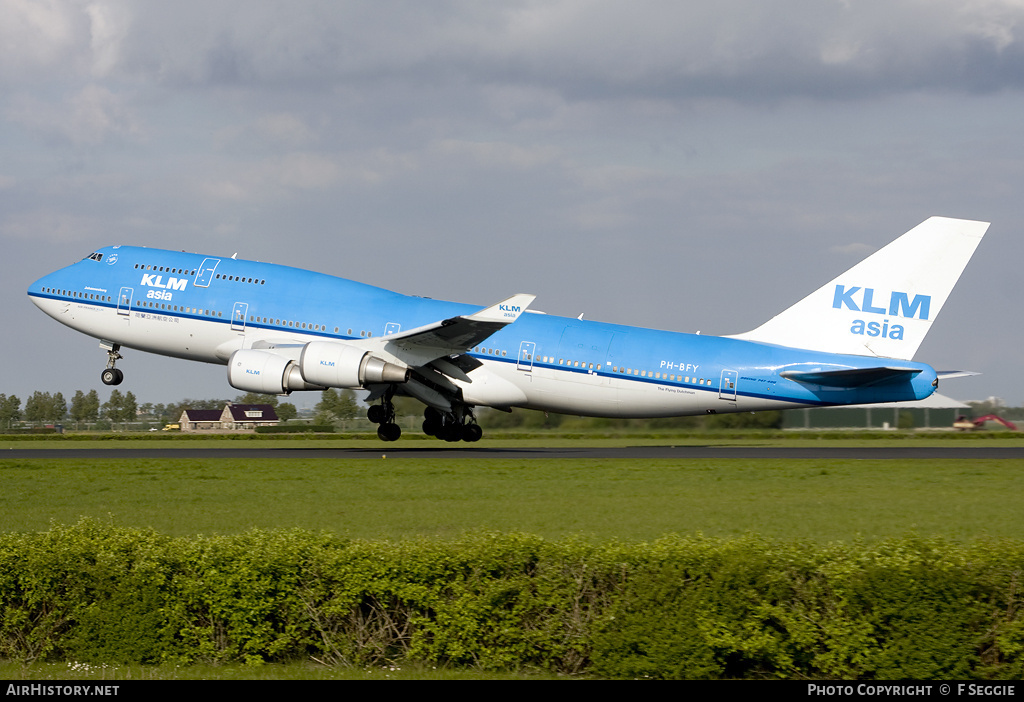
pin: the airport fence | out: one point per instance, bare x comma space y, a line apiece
673, 608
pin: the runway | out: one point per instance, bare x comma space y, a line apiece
444, 451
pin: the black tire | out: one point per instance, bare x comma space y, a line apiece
472, 432
389, 432
111, 376
376, 414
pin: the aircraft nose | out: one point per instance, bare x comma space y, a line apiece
42, 290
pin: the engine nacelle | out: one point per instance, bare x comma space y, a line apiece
266, 373
337, 365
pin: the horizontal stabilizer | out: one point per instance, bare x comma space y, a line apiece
946, 375
853, 377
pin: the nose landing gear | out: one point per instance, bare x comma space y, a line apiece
110, 374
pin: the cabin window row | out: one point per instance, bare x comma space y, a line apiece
78, 295
657, 375
164, 269
489, 351
289, 323
240, 279
576, 364
177, 308
186, 271
309, 326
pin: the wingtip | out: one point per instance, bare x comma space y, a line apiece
508, 310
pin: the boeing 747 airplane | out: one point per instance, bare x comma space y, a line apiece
280, 329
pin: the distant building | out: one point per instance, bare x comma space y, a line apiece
200, 420
935, 412
232, 418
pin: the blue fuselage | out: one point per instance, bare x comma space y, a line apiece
201, 308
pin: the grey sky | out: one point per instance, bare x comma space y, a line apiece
681, 165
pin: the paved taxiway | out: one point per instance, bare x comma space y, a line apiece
397, 451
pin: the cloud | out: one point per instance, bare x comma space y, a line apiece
90, 116
50, 226
273, 178
582, 49
39, 37
494, 154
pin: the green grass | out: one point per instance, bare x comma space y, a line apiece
306, 670
626, 500
398, 497
508, 439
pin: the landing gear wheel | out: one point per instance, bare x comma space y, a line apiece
472, 432
111, 376
452, 433
389, 432
433, 422
377, 414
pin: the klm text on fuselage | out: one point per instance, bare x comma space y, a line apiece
163, 292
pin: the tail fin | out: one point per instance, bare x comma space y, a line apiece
885, 304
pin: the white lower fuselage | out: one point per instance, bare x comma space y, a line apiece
671, 375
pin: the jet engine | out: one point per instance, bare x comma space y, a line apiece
266, 373
336, 365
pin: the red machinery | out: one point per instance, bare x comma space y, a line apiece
963, 422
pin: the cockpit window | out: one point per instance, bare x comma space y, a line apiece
94, 257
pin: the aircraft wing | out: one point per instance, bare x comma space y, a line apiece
853, 377
419, 346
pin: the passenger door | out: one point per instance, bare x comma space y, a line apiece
526, 353
205, 273
124, 301
238, 316
727, 390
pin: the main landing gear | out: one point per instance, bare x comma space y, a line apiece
457, 425
384, 415
110, 374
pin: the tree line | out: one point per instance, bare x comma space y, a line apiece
123, 408
335, 407
45, 408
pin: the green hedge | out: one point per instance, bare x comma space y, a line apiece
675, 608
297, 429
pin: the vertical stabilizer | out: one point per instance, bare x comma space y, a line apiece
885, 304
